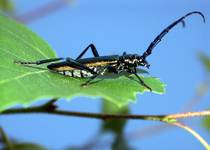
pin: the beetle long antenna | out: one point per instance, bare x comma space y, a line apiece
166, 30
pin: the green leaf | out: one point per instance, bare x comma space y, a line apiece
23, 85
121, 143
26, 146
205, 61
6, 5
8, 144
206, 123
116, 126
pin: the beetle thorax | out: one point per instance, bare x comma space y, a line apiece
133, 60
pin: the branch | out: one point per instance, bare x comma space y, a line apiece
202, 90
42, 11
189, 114
51, 108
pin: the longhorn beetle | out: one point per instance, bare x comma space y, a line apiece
99, 65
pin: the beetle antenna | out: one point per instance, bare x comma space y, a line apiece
166, 30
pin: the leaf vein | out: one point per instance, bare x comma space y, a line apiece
25, 42
8, 52
21, 76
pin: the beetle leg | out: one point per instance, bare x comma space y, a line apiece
95, 76
88, 81
140, 80
94, 51
75, 64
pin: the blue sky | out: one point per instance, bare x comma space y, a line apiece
115, 27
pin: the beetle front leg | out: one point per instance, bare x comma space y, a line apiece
140, 80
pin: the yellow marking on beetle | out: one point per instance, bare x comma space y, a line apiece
64, 68
93, 64
100, 63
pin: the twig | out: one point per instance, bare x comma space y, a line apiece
51, 108
195, 134
201, 91
198, 97
189, 114
42, 11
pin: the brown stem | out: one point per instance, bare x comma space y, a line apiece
42, 11
51, 108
